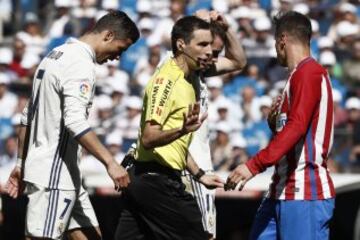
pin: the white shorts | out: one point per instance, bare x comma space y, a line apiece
51, 212
206, 201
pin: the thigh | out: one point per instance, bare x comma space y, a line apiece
48, 211
308, 220
130, 227
83, 214
265, 223
323, 215
165, 207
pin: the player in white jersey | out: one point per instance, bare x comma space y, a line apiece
199, 149
55, 127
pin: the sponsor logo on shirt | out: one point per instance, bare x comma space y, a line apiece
281, 121
84, 89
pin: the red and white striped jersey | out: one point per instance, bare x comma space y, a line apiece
300, 148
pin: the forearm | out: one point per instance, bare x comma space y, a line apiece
23, 141
92, 144
191, 165
234, 50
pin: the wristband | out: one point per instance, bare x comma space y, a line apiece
199, 174
19, 162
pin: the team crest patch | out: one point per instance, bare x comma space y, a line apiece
84, 89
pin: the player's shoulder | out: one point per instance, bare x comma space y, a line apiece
309, 68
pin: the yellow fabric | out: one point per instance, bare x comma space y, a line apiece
167, 96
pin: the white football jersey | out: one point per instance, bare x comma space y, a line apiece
63, 89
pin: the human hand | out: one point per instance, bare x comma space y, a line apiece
274, 113
192, 122
241, 174
119, 175
203, 14
211, 181
220, 19
15, 185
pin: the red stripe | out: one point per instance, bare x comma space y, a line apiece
327, 136
307, 187
319, 188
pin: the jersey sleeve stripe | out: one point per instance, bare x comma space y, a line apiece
82, 133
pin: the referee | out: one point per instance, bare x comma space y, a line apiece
156, 203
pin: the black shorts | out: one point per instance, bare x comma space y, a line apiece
158, 207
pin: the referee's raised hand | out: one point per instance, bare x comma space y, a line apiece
192, 120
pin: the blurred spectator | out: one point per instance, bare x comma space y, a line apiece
217, 98
63, 17
238, 152
353, 107
163, 29
351, 68
343, 12
328, 60
221, 147
263, 44
8, 158
8, 100
6, 57
250, 105
104, 112
5, 16
118, 95
18, 54
146, 66
32, 35
85, 14
258, 133
129, 124
241, 15
340, 114
347, 33
115, 75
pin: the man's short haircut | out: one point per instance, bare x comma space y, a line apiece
294, 23
120, 24
184, 29
218, 30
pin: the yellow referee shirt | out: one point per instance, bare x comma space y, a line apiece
167, 96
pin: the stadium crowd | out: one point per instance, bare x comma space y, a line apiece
239, 102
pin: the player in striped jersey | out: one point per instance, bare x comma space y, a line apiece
300, 201
54, 125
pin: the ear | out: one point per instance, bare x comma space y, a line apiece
109, 36
180, 44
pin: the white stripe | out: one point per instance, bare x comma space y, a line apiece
319, 137
300, 171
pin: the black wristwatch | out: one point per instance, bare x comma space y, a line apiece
199, 174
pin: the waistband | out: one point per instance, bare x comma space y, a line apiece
154, 167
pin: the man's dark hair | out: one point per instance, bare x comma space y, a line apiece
120, 24
184, 29
294, 23
218, 30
